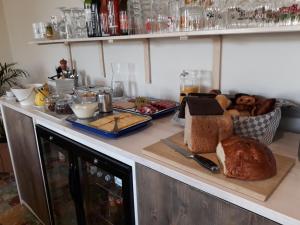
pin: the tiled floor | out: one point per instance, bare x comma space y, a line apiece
11, 212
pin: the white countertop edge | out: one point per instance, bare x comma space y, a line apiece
124, 156
168, 170
96, 145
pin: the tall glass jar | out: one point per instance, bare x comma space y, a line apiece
189, 83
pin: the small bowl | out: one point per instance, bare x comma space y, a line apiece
85, 107
9, 94
26, 95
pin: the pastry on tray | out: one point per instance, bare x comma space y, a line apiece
124, 120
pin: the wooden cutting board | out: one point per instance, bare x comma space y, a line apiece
260, 190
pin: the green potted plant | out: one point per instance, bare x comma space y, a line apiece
9, 76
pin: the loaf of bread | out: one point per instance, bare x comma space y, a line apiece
246, 159
205, 125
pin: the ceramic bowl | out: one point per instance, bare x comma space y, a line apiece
26, 95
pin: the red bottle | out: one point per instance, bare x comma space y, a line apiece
104, 17
113, 17
123, 17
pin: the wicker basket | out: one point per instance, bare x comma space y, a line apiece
262, 128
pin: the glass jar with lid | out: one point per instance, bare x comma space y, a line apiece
50, 102
189, 83
62, 106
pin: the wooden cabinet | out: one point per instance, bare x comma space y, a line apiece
166, 201
24, 152
5, 161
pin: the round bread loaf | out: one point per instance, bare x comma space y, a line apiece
246, 159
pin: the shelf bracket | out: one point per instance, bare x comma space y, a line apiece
217, 62
183, 38
102, 58
147, 60
68, 44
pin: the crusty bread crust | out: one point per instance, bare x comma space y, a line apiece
247, 159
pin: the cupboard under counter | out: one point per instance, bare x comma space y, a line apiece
282, 207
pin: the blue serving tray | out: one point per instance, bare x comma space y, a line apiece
162, 113
84, 124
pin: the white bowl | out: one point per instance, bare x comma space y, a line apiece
9, 94
26, 95
84, 110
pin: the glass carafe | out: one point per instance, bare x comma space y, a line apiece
189, 83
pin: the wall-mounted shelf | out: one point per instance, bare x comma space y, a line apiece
215, 35
181, 35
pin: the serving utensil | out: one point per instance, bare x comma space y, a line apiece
204, 162
116, 128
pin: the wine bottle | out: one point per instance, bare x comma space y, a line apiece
123, 16
104, 17
113, 17
88, 17
95, 6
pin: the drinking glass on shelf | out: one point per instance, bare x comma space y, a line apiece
162, 16
135, 17
196, 18
173, 16
297, 13
79, 23
42, 28
232, 14
162, 23
68, 23
36, 31
184, 23
210, 17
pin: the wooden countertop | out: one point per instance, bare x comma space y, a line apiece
283, 206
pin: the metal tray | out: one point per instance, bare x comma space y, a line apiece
156, 115
84, 124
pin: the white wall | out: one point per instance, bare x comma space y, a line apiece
40, 61
5, 54
263, 64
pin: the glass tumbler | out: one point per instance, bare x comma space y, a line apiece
36, 31
173, 16
162, 16
185, 18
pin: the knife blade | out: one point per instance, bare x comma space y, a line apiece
204, 162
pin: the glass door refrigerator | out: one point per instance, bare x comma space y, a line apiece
84, 187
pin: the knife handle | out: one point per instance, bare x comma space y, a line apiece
207, 163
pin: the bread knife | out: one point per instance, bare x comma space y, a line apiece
204, 162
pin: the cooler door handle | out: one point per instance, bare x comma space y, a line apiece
72, 180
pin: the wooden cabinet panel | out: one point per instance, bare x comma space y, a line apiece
166, 201
5, 161
20, 131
